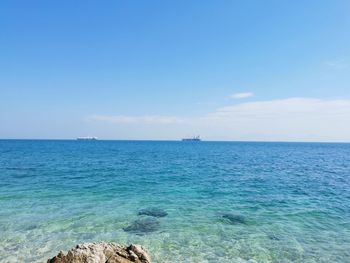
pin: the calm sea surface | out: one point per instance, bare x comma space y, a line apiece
225, 201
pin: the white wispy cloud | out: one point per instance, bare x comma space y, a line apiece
291, 119
285, 119
337, 64
242, 95
298, 108
147, 119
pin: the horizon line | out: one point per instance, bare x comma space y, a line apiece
173, 140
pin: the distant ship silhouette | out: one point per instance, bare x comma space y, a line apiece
193, 139
88, 138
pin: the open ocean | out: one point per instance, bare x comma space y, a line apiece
216, 201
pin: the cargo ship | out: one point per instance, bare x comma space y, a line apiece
88, 138
193, 139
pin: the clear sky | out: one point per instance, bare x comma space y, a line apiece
227, 70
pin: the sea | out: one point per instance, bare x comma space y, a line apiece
183, 201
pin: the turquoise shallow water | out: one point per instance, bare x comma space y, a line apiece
292, 199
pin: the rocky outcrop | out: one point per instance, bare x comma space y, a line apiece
103, 253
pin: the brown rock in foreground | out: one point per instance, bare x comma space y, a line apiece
103, 253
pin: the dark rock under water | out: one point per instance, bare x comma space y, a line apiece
143, 225
273, 237
235, 218
153, 211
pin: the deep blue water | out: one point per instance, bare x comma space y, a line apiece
286, 202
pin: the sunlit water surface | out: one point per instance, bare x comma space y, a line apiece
291, 200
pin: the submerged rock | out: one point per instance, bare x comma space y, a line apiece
235, 218
103, 253
143, 225
274, 237
153, 211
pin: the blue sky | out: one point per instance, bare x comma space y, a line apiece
169, 69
